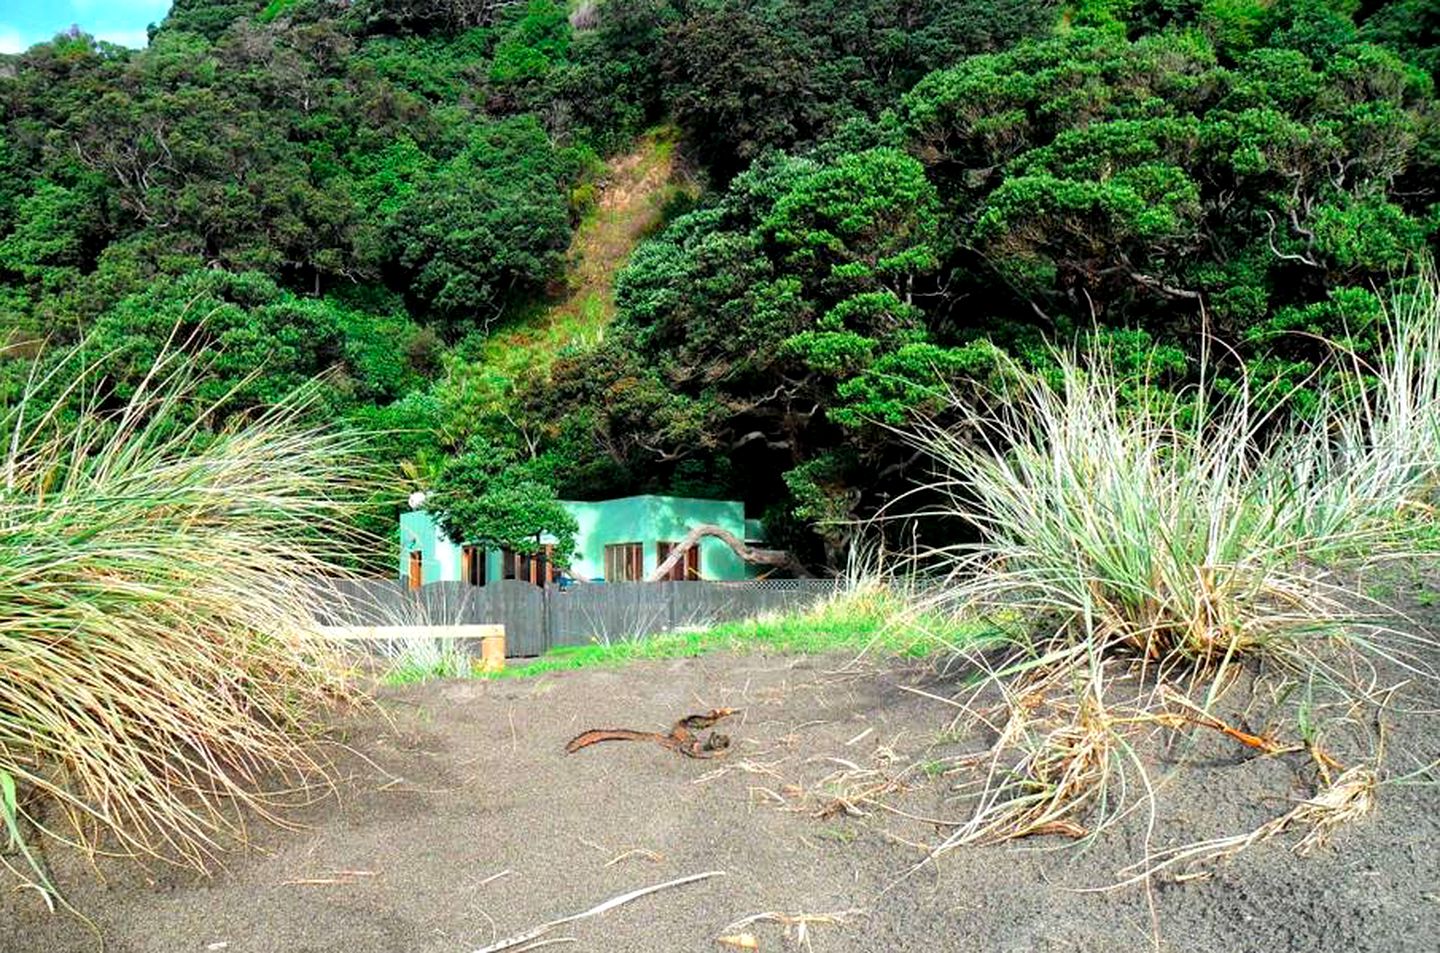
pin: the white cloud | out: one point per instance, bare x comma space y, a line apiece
135, 39
10, 41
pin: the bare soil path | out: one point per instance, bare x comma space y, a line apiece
465, 822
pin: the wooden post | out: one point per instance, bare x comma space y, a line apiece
492, 651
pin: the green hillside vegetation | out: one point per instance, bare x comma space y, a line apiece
483, 220
627, 200
630, 201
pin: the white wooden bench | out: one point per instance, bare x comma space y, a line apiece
490, 637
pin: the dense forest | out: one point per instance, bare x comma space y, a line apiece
893, 191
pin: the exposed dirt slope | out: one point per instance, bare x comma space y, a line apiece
630, 203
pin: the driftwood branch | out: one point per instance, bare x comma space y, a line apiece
520, 939
778, 558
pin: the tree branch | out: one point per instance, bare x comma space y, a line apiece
1270, 240
778, 558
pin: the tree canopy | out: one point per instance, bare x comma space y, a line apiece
891, 194
487, 497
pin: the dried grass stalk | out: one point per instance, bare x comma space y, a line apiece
159, 668
1145, 547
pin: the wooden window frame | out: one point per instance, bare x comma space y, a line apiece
625, 562
687, 570
535, 568
473, 569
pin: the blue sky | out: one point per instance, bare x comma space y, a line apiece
24, 23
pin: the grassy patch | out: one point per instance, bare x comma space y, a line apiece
425, 660
837, 834
852, 622
643, 188
640, 187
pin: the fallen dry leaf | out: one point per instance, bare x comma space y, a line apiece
740, 941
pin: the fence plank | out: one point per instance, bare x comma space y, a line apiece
521, 609
538, 619
610, 612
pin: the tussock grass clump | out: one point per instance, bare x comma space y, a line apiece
418, 660
1158, 548
158, 663
1157, 529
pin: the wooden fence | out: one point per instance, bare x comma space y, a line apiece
537, 619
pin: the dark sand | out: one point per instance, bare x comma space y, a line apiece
472, 781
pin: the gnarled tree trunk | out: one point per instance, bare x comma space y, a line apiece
778, 558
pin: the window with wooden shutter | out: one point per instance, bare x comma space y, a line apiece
537, 568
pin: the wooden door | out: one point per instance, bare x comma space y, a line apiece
472, 565
417, 569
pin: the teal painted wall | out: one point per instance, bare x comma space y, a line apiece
633, 519
670, 518
440, 558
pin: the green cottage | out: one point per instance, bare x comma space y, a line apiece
620, 540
